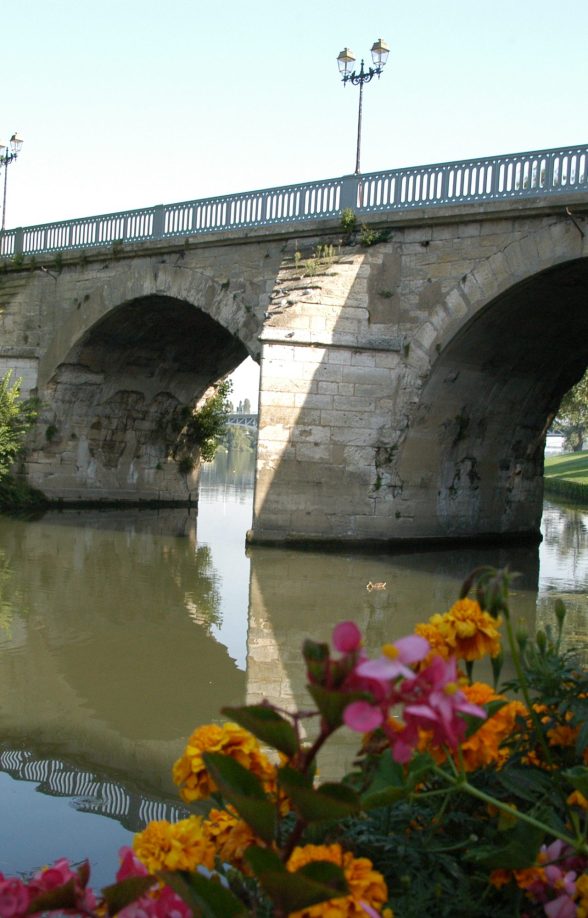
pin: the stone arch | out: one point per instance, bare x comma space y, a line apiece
519, 350
104, 432
82, 298
531, 250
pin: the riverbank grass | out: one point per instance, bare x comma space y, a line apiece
567, 476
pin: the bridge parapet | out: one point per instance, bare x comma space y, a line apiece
512, 176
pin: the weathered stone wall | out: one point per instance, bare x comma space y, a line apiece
406, 388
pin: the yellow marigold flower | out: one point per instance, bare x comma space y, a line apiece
500, 877
439, 646
189, 772
469, 633
230, 835
562, 735
582, 896
577, 798
365, 883
174, 846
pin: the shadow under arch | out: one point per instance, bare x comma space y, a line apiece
102, 432
519, 354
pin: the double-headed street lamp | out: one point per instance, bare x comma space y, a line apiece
8, 156
380, 51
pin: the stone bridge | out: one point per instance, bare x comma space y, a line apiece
410, 366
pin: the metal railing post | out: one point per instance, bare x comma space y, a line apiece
348, 197
158, 221
19, 241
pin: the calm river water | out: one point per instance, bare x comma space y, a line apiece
120, 631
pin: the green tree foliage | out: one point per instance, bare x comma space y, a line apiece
572, 416
16, 418
239, 439
204, 428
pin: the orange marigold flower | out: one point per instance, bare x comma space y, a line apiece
582, 896
577, 798
183, 845
439, 646
500, 877
365, 883
562, 735
230, 835
189, 772
469, 633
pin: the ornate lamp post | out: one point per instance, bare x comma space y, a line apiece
380, 51
6, 158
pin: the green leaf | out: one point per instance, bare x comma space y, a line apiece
60, 897
267, 725
263, 859
291, 892
329, 801
388, 783
119, 895
578, 778
241, 788
205, 896
520, 851
392, 782
313, 652
316, 657
527, 783
332, 703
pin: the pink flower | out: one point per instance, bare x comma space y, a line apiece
130, 865
396, 659
363, 716
441, 703
562, 907
163, 903
14, 897
346, 637
59, 874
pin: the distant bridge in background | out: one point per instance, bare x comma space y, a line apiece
494, 178
243, 420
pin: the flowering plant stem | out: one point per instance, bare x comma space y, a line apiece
461, 783
516, 658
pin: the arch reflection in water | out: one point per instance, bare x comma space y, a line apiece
112, 651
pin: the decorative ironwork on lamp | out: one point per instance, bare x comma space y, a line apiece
345, 61
8, 156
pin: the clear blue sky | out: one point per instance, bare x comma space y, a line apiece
125, 103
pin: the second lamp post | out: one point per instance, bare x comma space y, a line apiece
345, 60
6, 158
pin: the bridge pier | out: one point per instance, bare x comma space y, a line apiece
406, 388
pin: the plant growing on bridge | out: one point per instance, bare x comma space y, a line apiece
201, 429
462, 801
368, 236
323, 258
348, 221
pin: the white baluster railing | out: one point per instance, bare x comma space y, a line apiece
516, 175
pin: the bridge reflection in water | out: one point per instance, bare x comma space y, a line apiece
91, 792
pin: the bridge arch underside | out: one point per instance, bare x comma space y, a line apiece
478, 434
110, 409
